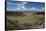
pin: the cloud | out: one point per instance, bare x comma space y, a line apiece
10, 5
24, 2
43, 8
30, 9
21, 7
37, 9
10, 9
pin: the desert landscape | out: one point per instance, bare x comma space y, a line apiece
24, 15
22, 21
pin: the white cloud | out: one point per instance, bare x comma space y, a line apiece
24, 2
10, 9
33, 8
43, 8
21, 6
30, 9
36, 9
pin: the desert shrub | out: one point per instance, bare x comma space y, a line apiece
40, 13
16, 13
9, 25
12, 25
18, 26
28, 26
21, 27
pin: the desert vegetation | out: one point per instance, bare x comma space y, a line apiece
22, 21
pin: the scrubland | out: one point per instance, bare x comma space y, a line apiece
26, 21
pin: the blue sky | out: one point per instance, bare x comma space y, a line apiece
18, 5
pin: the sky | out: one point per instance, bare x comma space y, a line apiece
24, 6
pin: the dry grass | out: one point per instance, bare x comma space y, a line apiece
24, 22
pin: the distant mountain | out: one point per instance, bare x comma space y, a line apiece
26, 11
22, 12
